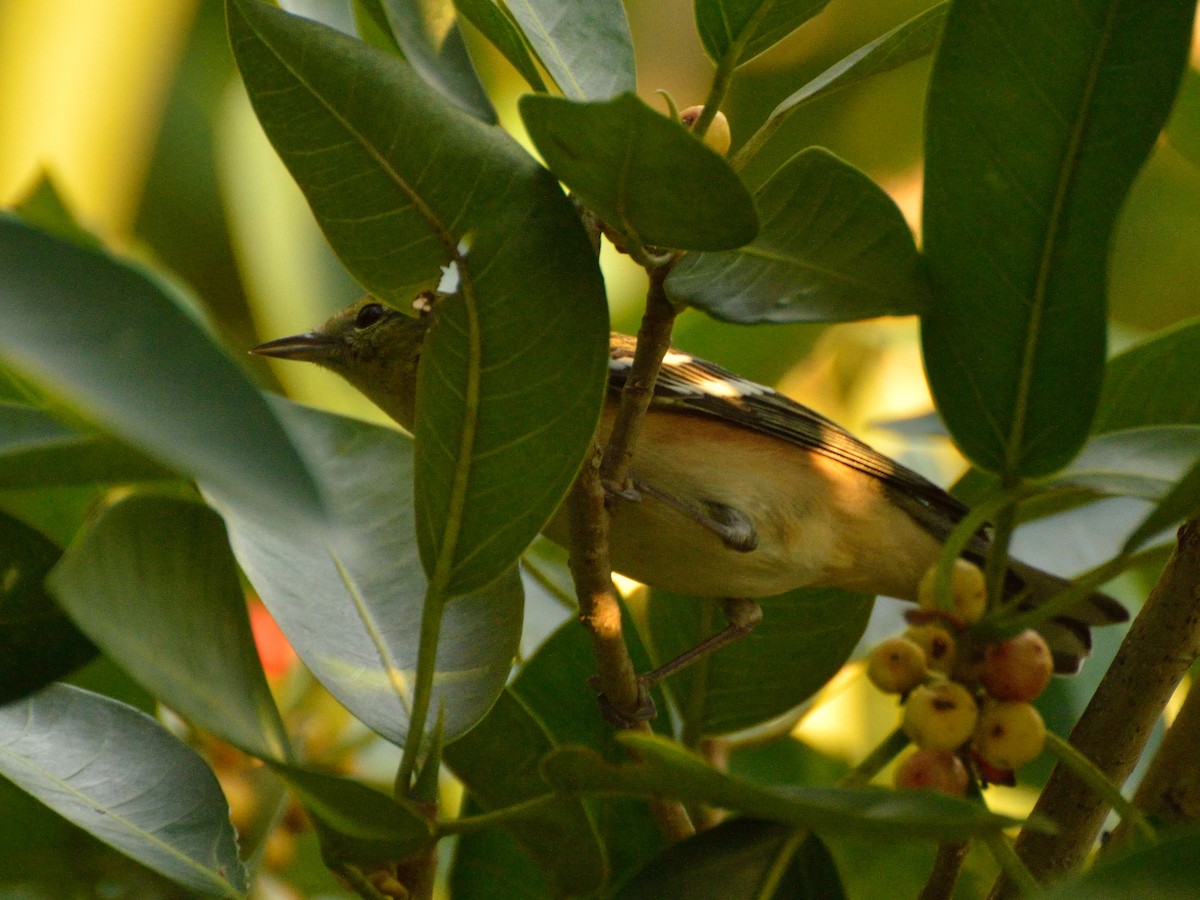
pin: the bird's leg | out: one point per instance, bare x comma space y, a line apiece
741, 616
729, 524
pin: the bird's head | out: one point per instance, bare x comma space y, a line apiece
372, 345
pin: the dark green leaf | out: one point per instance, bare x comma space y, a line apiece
666, 769
833, 246
585, 46
498, 764
404, 185
38, 643
350, 595
739, 858
1164, 871
1181, 502
121, 776
122, 346
913, 39
429, 38
1153, 383
1039, 118
1137, 462
745, 28
356, 822
43, 207
495, 22
491, 864
804, 638
37, 450
641, 172
153, 583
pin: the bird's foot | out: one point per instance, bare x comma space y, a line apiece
644, 709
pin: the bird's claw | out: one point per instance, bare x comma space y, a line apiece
643, 711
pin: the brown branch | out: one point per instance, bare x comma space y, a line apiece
946, 868
1162, 643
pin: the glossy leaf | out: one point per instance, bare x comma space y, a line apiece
666, 769
349, 596
585, 45
1181, 502
1039, 117
37, 450
1153, 383
38, 643
403, 185
739, 858
431, 42
804, 638
745, 28
496, 23
153, 583
119, 775
491, 864
1136, 462
498, 764
641, 172
833, 247
118, 343
917, 37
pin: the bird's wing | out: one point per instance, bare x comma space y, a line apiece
687, 383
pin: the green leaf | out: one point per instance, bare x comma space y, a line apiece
496, 23
153, 583
739, 858
121, 346
585, 45
491, 864
1183, 131
917, 37
1136, 462
355, 822
641, 172
1039, 117
498, 764
1153, 383
350, 594
667, 770
430, 40
833, 247
36, 450
804, 638
403, 184
1181, 502
745, 28
38, 643
119, 775
1165, 870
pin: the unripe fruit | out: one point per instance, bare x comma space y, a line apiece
1017, 669
1009, 735
896, 666
933, 770
938, 644
940, 716
717, 137
967, 589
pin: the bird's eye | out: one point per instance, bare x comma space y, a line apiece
368, 315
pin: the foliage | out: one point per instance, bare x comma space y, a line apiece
148, 485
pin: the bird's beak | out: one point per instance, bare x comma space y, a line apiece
312, 346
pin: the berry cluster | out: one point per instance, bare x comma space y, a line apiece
962, 703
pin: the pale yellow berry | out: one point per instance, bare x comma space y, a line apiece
941, 651
940, 716
896, 665
1017, 669
717, 137
1009, 734
967, 590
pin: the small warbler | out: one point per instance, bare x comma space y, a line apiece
737, 491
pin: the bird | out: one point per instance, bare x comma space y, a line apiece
737, 492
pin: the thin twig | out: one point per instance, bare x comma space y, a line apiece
946, 867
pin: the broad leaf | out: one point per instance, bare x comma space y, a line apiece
120, 344
1136, 462
38, 643
641, 172
119, 775
403, 185
667, 770
496, 23
37, 450
498, 764
1039, 117
804, 638
350, 595
1181, 502
1165, 870
1184, 129
585, 45
745, 28
431, 42
740, 858
153, 583
490, 863
833, 247
1153, 383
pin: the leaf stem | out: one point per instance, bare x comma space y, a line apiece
873, 763
431, 626
1087, 772
498, 817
